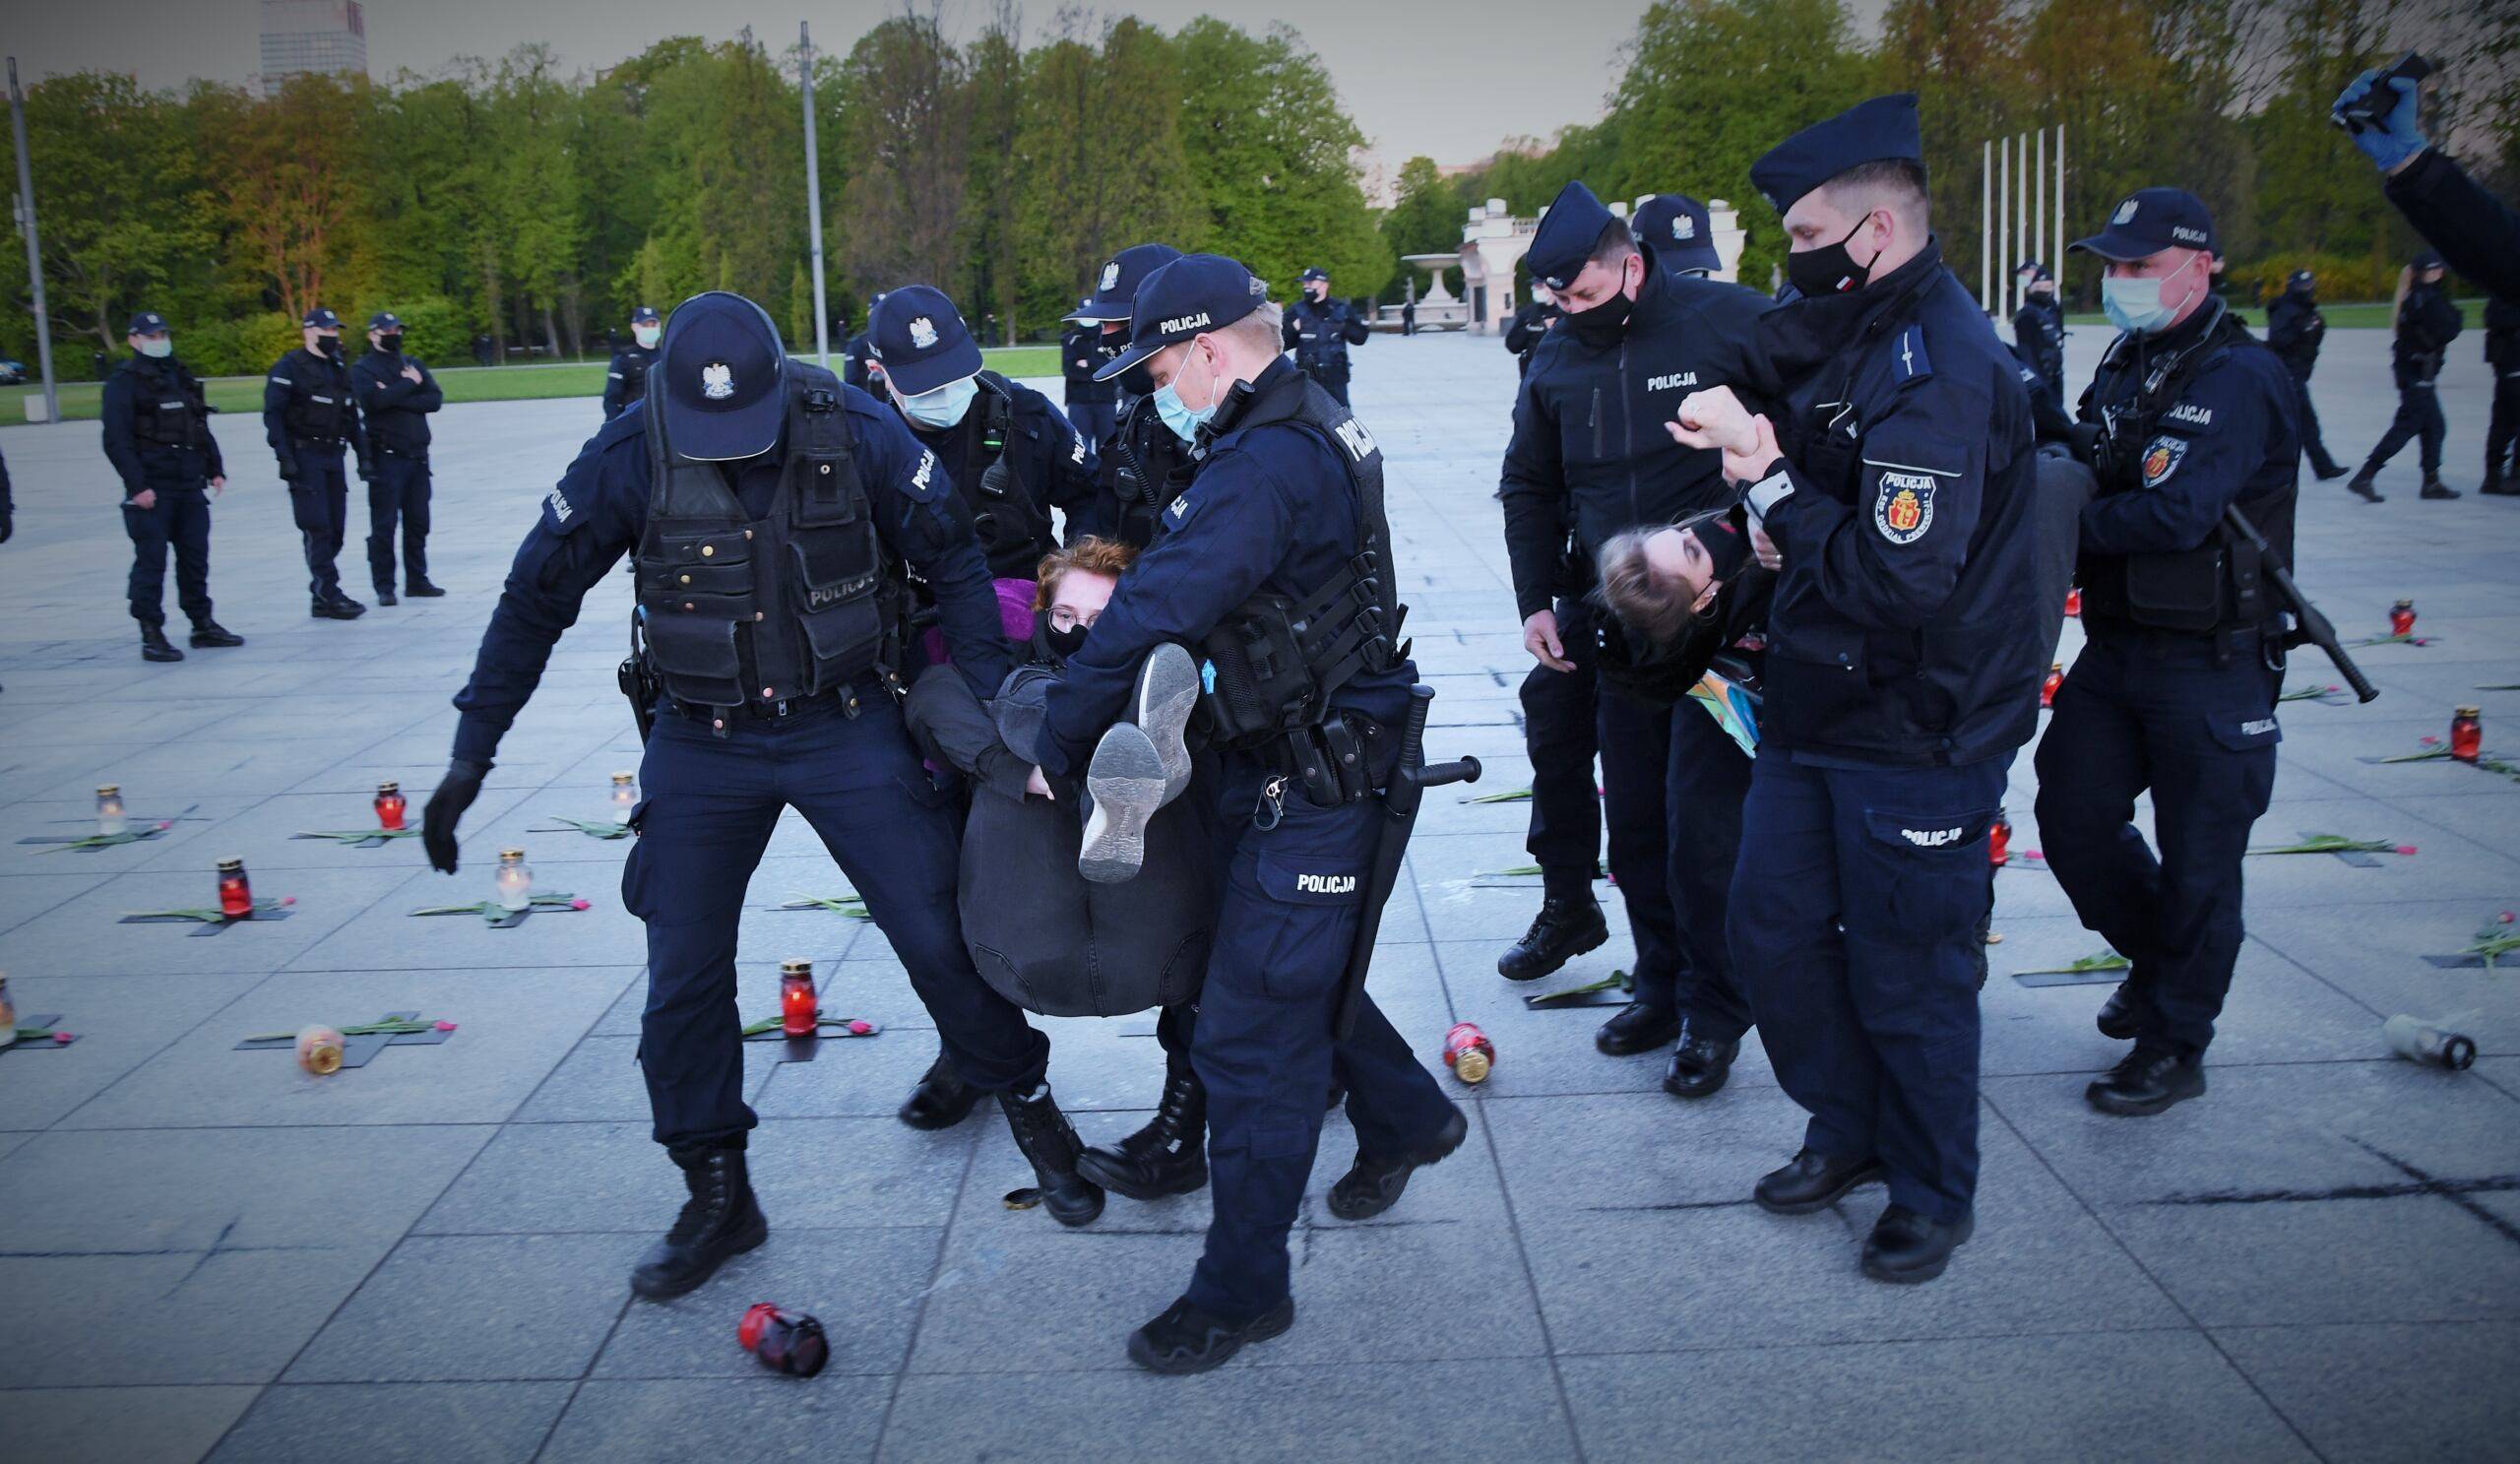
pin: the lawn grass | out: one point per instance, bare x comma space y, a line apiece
518, 383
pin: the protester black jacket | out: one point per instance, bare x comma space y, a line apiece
2478, 234
1080, 356
1590, 452
395, 406
2295, 329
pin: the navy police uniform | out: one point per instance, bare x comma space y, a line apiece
625, 380
1904, 658
754, 720
2038, 335
1524, 333
1589, 459
2427, 323
2502, 431
157, 428
2175, 690
1319, 333
1140, 465
1680, 233
1278, 508
2294, 330
395, 410
309, 417
1011, 455
1093, 406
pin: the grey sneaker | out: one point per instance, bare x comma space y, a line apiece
1126, 782
1167, 692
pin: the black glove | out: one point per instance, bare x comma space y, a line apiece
454, 794
288, 471
8, 524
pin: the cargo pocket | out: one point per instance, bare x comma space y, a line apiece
1312, 905
2248, 738
690, 649
1931, 883
842, 625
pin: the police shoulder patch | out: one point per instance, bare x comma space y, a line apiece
1903, 506
559, 515
2193, 417
1178, 511
925, 483
2162, 458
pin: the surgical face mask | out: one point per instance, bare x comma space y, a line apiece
2134, 304
1830, 269
389, 342
647, 336
1185, 419
944, 406
156, 348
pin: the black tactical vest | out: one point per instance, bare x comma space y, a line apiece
2219, 585
319, 404
1014, 528
634, 374
168, 407
1144, 467
740, 611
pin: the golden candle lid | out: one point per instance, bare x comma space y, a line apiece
230, 863
796, 966
108, 790
511, 853
383, 788
625, 777
2472, 711
1471, 1066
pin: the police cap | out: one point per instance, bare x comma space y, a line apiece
1881, 130
723, 375
920, 338
146, 323
1117, 285
645, 315
2149, 220
1191, 297
2428, 260
385, 320
2034, 269
1568, 230
1677, 228
322, 318
1315, 273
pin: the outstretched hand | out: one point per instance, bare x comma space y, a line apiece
454, 794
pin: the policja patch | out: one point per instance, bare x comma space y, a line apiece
2162, 458
1903, 506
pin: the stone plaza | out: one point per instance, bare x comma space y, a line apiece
206, 1252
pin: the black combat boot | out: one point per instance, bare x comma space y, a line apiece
208, 632
2117, 1016
1812, 1181
2496, 485
153, 645
2361, 487
420, 589
343, 608
385, 595
2148, 1080
1906, 1247
2327, 469
718, 1222
942, 1100
1562, 930
1373, 1183
1699, 1064
1185, 1339
1169, 1155
2434, 487
1042, 1133
1638, 1027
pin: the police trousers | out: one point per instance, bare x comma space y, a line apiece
1671, 790
180, 517
2502, 431
2312, 444
398, 492
1294, 898
1561, 733
319, 504
1857, 902
710, 805
2161, 712
2419, 419
1094, 422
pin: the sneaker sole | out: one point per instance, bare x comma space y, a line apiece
1875, 1175
1593, 942
1127, 783
1266, 1325
2106, 1103
1167, 693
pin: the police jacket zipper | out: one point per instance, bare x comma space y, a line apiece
1627, 439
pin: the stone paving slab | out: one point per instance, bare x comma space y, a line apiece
425, 1258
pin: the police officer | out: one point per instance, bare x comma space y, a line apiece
1286, 510
1681, 234
2425, 325
2502, 432
2478, 234
396, 395
2039, 332
1894, 491
1142, 465
1529, 324
1093, 406
1319, 331
626, 380
307, 416
2295, 330
158, 437
859, 366
1589, 459
2175, 690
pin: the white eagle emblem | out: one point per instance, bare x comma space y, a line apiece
717, 381
1684, 227
923, 333
2126, 212
1111, 276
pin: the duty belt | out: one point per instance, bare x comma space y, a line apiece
848, 701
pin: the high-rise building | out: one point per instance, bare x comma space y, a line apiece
325, 36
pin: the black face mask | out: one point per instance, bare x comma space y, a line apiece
1830, 269
1724, 542
1055, 643
1604, 323
328, 345
391, 345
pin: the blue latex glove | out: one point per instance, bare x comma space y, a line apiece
2398, 141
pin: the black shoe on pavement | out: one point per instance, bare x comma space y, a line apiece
153, 645
2330, 472
2434, 487
1185, 1339
1638, 1027
942, 1100
385, 595
1169, 1156
1372, 1185
718, 1222
1906, 1247
209, 633
1812, 1181
337, 609
2116, 1017
2362, 489
1699, 1064
2497, 486
422, 589
2147, 1081
1562, 930
1050, 1143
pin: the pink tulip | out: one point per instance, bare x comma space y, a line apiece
2406, 849
446, 1026
64, 1037
288, 899
2507, 916
582, 903
2429, 743
860, 1026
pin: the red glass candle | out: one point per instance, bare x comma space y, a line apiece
236, 893
2047, 688
1999, 840
798, 1007
2074, 600
390, 805
1468, 1052
2467, 734
2402, 618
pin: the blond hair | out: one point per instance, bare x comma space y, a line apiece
1655, 606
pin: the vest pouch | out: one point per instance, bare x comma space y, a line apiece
699, 574
829, 496
836, 604
695, 656
2180, 591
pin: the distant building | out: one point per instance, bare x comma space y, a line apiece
327, 37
